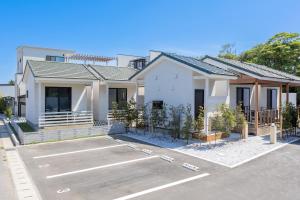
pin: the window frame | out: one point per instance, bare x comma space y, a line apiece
117, 96
59, 90
50, 58
159, 104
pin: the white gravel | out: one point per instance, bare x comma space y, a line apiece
230, 152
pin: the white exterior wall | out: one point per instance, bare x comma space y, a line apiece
7, 90
292, 98
103, 102
175, 85
153, 54
35, 103
35, 53
169, 82
262, 95
101, 97
123, 60
31, 100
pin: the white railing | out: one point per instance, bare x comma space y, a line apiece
49, 119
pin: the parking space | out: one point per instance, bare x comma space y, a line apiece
107, 168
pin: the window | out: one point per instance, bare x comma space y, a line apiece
118, 95
271, 98
157, 104
55, 58
58, 99
243, 98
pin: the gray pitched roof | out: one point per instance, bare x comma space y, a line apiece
199, 64
255, 69
114, 73
47, 69
195, 63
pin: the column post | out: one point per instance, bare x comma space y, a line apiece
206, 93
280, 110
287, 88
256, 107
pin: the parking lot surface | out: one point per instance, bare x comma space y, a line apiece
121, 168
106, 168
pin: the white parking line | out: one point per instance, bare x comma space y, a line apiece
162, 187
100, 167
79, 151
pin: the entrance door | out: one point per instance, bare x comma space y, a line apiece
243, 98
199, 101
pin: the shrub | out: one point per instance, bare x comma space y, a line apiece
115, 111
130, 113
229, 118
225, 120
188, 123
240, 118
2, 105
199, 121
8, 112
289, 116
25, 127
175, 119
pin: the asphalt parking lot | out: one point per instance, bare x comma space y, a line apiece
106, 168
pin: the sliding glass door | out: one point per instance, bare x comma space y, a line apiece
117, 95
58, 99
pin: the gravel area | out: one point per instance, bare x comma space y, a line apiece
229, 152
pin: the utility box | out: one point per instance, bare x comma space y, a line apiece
273, 135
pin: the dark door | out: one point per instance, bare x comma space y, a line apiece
243, 98
199, 101
58, 99
271, 99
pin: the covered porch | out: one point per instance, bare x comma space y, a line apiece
65, 103
261, 101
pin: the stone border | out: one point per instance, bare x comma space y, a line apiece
24, 186
63, 134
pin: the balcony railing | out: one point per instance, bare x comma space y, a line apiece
50, 119
265, 116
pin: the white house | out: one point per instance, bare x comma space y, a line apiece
56, 90
180, 80
209, 81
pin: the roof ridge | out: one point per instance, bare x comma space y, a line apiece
55, 62
263, 67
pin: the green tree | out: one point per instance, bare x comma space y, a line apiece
228, 51
281, 52
11, 82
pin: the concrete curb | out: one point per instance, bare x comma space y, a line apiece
24, 186
12, 135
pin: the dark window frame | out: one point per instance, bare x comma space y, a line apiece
54, 58
69, 89
158, 104
270, 98
198, 102
237, 101
117, 96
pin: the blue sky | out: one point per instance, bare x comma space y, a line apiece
136, 26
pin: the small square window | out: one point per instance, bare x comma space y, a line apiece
157, 104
